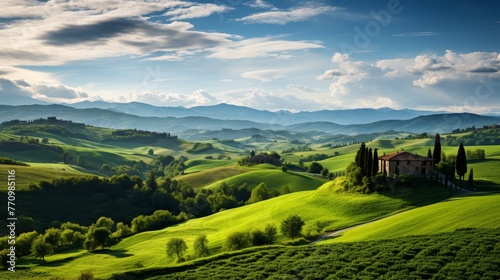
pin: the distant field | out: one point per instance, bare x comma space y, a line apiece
39, 172
275, 180
207, 177
481, 211
321, 209
197, 165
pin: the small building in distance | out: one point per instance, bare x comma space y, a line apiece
405, 163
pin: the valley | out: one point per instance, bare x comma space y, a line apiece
211, 188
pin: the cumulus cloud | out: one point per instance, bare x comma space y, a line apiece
330, 74
452, 78
58, 91
294, 14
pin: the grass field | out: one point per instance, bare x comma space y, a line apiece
274, 179
39, 172
322, 209
474, 211
209, 176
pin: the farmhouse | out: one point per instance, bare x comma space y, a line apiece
405, 163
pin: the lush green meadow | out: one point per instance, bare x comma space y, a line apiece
469, 211
322, 204
37, 172
275, 179
323, 209
465, 254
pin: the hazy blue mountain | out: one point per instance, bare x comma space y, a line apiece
232, 112
113, 119
15, 100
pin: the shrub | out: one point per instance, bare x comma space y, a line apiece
237, 241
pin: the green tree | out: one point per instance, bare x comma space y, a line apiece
375, 162
52, 236
315, 167
151, 181
284, 168
40, 248
97, 237
259, 193
461, 163
201, 246
105, 222
471, 178
437, 149
271, 232
292, 226
325, 172
429, 153
258, 237
369, 163
176, 246
237, 241
151, 152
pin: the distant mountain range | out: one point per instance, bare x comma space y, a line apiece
233, 112
113, 118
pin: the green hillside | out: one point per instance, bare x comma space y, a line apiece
274, 179
475, 211
322, 209
36, 173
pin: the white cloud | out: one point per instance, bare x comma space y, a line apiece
294, 14
330, 74
197, 98
265, 75
260, 4
259, 47
468, 80
196, 11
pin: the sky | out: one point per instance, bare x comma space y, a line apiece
270, 55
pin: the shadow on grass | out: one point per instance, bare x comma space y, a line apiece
115, 253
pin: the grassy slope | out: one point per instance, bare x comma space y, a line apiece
458, 212
39, 172
209, 176
323, 207
275, 180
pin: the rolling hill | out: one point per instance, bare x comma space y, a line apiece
474, 211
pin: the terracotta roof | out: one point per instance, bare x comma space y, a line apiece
404, 156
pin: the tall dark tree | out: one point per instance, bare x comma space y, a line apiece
461, 163
369, 163
471, 178
437, 149
429, 153
360, 156
252, 154
151, 181
375, 162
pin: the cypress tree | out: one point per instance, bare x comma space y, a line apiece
361, 157
375, 162
369, 163
461, 163
429, 153
437, 149
471, 178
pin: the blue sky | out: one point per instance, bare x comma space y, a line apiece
273, 55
